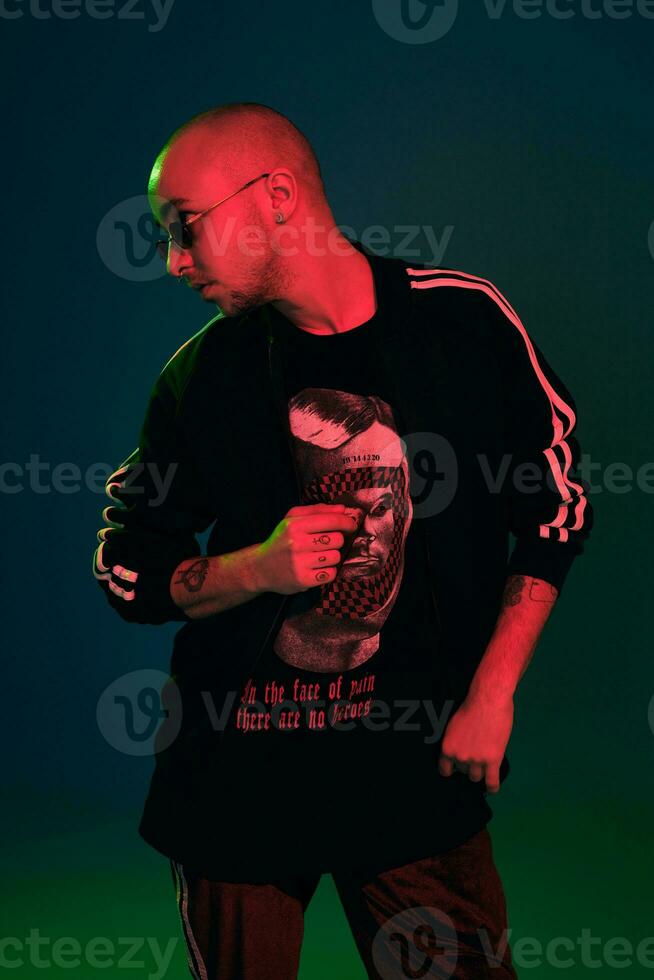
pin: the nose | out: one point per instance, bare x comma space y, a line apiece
365, 530
179, 261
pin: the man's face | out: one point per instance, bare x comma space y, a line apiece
230, 261
372, 541
361, 472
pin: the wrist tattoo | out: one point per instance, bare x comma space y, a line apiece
192, 577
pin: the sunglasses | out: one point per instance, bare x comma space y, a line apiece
178, 230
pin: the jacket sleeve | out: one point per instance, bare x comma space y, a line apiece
156, 508
548, 509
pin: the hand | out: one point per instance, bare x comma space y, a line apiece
304, 549
475, 739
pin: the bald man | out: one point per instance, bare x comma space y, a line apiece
241, 257
350, 650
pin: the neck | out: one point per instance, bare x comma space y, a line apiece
329, 293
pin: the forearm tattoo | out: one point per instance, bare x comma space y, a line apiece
539, 591
192, 577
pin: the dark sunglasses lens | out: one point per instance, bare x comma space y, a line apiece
180, 234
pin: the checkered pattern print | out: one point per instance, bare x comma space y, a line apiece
353, 600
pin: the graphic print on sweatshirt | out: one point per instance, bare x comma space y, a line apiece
348, 451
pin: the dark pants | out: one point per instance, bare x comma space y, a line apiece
442, 916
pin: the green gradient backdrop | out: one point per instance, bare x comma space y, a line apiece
533, 139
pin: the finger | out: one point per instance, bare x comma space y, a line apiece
323, 559
324, 541
445, 765
315, 509
475, 771
318, 576
326, 523
493, 777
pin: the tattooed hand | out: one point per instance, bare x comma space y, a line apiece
304, 550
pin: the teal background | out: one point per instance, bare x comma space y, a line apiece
533, 139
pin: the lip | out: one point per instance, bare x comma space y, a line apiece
361, 561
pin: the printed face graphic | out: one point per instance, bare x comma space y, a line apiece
349, 452
369, 551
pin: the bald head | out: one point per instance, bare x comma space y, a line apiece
240, 140
239, 192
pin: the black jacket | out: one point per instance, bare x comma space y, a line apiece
479, 402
